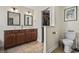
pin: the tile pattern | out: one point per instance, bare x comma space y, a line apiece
58, 50
33, 47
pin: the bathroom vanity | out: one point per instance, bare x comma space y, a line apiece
16, 37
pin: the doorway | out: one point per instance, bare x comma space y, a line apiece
45, 20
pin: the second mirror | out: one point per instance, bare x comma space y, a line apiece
28, 20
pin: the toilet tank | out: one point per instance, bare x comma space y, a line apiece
70, 35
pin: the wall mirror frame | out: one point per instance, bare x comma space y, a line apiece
13, 18
28, 20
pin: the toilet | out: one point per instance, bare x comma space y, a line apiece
68, 41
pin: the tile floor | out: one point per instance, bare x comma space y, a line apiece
61, 50
33, 47
58, 50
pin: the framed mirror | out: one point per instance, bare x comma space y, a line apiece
28, 20
13, 19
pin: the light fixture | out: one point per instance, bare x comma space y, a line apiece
14, 9
28, 13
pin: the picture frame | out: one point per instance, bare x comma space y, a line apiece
70, 14
28, 20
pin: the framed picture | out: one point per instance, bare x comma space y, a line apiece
70, 14
28, 20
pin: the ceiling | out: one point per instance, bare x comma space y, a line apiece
37, 7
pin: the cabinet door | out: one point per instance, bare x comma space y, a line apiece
29, 38
34, 36
26, 36
9, 40
20, 38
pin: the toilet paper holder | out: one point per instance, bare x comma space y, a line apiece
53, 32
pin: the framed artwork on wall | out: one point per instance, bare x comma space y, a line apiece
70, 14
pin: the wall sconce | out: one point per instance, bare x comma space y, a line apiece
28, 13
14, 9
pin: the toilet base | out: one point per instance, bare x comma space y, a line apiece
67, 49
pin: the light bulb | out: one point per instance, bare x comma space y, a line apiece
11, 9
27, 13
14, 10
30, 13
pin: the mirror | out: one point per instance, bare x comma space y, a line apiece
28, 20
13, 18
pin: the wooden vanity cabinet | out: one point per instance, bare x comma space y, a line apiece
9, 39
17, 37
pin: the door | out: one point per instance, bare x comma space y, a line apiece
34, 36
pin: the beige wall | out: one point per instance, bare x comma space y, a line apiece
52, 39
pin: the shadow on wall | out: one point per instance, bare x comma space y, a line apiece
78, 40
